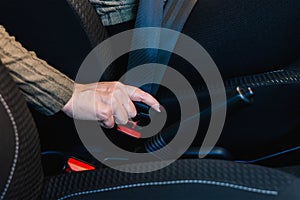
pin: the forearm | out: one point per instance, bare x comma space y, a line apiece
44, 88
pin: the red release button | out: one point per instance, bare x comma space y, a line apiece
75, 165
129, 131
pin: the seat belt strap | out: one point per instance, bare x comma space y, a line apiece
150, 14
176, 13
153, 13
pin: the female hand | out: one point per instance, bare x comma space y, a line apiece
107, 102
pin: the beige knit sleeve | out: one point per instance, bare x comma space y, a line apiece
44, 88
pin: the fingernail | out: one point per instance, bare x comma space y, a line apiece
157, 108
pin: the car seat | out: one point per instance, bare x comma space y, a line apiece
21, 175
255, 130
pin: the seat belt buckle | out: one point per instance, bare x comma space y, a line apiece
76, 165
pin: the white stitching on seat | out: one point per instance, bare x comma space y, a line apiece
207, 182
13, 167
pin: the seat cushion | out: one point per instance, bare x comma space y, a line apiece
21, 172
184, 179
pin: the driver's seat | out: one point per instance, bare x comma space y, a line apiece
21, 175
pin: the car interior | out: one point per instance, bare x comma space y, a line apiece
256, 157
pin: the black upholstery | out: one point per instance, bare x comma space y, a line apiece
7, 147
63, 33
271, 122
21, 170
184, 179
188, 179
247, 36
254, 43
89, 21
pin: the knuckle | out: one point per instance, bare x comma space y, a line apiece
118, 84
133, 113
122, 120
105, 113
142, 96
110, 124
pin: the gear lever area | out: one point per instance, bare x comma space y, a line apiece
236, 99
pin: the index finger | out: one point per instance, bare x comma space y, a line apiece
136, 94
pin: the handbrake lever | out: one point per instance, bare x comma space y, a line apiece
240, 96
235, 99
